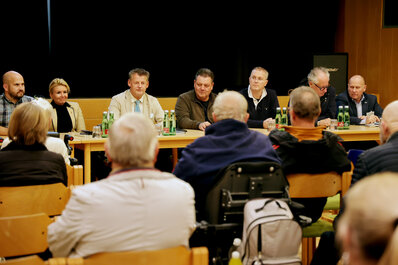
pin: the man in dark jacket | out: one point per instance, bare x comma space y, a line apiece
194, 108
318, 79
384, 157
305, 148
262, 102
359, 102
226, 141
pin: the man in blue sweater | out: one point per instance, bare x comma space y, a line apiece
226, 141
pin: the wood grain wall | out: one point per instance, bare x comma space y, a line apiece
372, 49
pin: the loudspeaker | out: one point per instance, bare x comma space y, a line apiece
337, 64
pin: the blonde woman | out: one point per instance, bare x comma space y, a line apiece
66, 116
26, 160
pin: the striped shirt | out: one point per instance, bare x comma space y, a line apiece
7, 107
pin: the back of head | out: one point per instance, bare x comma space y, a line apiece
230, 105
314, 73
305, 103
132, 141
371, 215
390, 116
45, 105
28, 124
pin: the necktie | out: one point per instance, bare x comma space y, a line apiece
137, 106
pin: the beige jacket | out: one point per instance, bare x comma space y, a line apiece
76, 115
124, 102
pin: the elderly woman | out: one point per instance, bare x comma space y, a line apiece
66, 116
367, 229
26, 160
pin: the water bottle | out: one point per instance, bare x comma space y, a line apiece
166, 123
340, 119
172, 123
104, 124
346, 118
278, 118
284, 116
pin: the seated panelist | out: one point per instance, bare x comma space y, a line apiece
66, 116
26, 160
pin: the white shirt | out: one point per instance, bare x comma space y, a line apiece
359, 109
52, 144
256, 101
136, 209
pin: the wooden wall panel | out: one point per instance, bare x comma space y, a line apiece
373, 50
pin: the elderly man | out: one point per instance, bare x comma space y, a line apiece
226, 141
318, 79
384, 157
136, 99
359, 102
262, 101
136, 208
305, 148
14, 94
194, 108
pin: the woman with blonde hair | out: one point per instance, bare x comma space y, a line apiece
26, 160
66, 116
367, 230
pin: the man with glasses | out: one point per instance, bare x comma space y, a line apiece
359, 102
318, 80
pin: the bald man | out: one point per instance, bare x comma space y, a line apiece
226, 141
359, 102
384, 157
14, 94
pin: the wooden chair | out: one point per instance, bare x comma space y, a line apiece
23, 235
75, 175
171, 256
314, 186
49, 199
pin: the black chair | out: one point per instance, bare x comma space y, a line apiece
233, 187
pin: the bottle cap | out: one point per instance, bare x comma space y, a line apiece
235, 255
237, 242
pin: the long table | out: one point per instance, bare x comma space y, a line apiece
89, 144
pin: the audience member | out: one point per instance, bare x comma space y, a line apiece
318, 79
14, 94
384, 157
66, 116
52, 144
367, 230
194, 108
136, 99
359, 102
262, 101
304, 148
226, 141
136, 208
26, 160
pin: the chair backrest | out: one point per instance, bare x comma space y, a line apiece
49, 199
240, 182
304, 185
75, 174
171, 256
23, 235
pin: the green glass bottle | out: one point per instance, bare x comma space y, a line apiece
104, 124
278, 118
284, 116
340, 118
111, 119
172, 123
346, 118
166, 123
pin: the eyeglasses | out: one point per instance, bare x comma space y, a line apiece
321, 88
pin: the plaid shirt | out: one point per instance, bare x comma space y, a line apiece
7, 107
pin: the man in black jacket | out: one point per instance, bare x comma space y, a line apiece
262, 102
359, 102
384, 157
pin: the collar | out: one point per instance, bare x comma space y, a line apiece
304, 133
133, 99
55, 106
10, 102
226, 126
263, 95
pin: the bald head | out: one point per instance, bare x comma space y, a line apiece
14, 86
230, 105
390, 116
305, 103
